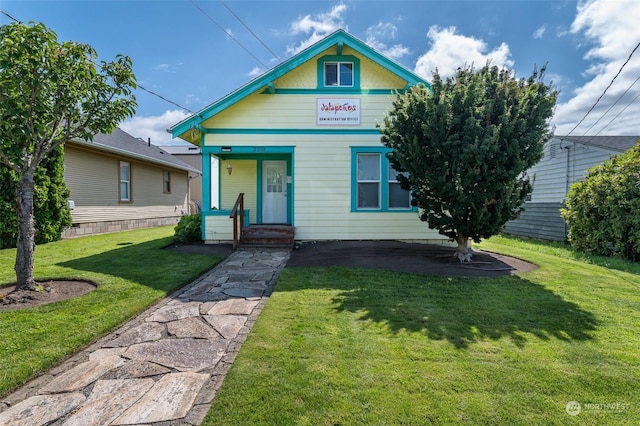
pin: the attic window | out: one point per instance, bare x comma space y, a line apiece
338, 74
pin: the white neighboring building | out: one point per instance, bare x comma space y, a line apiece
566, 160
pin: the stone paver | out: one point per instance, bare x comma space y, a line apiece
163, 367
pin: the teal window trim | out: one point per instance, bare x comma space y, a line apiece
384, 182
339, 58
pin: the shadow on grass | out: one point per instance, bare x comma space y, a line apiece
145, 263
459, 310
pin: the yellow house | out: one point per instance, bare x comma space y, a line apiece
301, 143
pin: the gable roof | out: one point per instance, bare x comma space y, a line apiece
339, 38
122, 143
614, 143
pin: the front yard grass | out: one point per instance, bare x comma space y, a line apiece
132, 272
341, 346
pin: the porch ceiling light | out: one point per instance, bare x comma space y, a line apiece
229, 168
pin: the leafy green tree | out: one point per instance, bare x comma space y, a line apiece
50, 201
51, 92
603, 211
463, 147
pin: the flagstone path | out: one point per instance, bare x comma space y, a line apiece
163, 367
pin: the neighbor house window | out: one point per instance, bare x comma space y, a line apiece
338, 74
166, 182
375, 182
125, 181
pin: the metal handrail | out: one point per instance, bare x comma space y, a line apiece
234, 214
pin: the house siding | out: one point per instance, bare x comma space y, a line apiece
93, 180
553, 175
539, 220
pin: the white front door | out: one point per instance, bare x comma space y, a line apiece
274, 192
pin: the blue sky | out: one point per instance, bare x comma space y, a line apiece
195, 52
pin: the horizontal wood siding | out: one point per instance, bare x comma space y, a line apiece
93, 179
243, 178
293, 112
539, 220
322, 190
218, 229
551, 175
87, 214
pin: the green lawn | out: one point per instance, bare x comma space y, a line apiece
339, 346
132, 272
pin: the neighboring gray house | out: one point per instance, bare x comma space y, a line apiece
192, 156
120, 182
566, 160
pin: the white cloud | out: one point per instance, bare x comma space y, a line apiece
154, 127
450, 51
170, 68
538, 33
612, 31
375, 36
255, 72
318, 27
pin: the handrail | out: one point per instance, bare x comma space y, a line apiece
234, 214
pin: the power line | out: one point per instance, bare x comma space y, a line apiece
618, 114
251, 31
164, 99
612, 105
605, 90
10, 17
228, 33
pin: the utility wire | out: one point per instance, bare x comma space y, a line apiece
605, 90
618, 114
228, 33
612, 105
10, 17
251, 31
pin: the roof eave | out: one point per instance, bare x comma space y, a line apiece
130, 154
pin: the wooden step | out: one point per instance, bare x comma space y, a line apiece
268, 236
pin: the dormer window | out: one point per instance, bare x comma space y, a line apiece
338, 74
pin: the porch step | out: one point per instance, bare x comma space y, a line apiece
268, 236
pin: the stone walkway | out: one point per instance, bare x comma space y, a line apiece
163, 367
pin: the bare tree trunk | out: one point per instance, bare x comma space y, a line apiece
463, 252
26, 232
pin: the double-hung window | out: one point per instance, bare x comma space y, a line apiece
125, 181
166, 182
338, 74
375, 184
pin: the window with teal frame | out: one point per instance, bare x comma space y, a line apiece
374, 183
339, 72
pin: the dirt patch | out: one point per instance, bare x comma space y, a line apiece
427, 259
48, 292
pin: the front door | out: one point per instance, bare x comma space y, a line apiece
274, 192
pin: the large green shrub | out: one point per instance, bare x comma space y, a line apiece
188, 229
603, 211
51, 213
